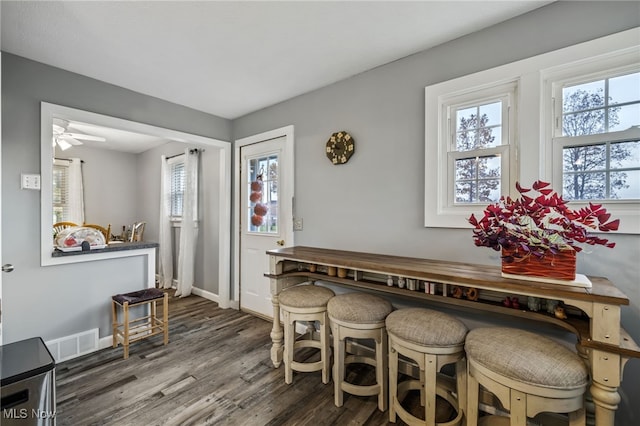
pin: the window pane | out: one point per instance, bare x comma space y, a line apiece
583, 123
489, 167
625, 154
467, 119
465, 169
584, 158
466, 141
465, 192
623, 117
625, 185
490, 136
625, 88
489, 190
583, 96
492, 112
584, 186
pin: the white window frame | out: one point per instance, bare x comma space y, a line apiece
607, 65
535, 152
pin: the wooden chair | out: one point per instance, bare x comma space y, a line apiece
137, 231
106, 232
59, 226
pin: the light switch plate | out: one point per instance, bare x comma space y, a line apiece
297, 224
29, 181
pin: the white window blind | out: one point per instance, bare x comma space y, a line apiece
177, 186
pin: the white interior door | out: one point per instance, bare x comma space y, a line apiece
266, 217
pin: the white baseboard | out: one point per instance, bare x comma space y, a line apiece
206, 294
105, 342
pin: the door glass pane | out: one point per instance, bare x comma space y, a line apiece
262, 212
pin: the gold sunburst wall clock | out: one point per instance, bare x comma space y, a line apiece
340, 147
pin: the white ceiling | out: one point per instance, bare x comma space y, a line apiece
232, 58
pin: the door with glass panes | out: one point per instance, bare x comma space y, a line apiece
265, 220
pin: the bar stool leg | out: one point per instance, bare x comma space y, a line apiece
578, 418
338, 367
324, 350
393, 383
430, 372
125, 343
473, 393
461, 384
289, 346
518, 412
382, 371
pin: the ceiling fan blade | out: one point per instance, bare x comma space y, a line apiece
85, 137
69, 139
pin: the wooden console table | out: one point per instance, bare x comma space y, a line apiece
601, 341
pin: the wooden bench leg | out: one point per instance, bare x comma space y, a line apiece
125, 343
165, 317
114, 323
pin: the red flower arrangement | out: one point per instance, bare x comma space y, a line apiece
538, 225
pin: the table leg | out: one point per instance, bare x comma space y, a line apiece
606, 400
277, 334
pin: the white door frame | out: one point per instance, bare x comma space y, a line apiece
288, 159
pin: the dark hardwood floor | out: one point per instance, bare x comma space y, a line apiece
215, 370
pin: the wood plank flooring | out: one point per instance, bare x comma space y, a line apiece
216, 370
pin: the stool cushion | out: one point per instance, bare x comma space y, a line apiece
361, 308
426, 327
526, 357
305, 296
139, 296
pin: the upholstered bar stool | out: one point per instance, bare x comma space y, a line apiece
432, 340
133, 329
305, 303
528, 373
359, 316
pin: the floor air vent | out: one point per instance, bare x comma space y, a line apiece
73, 346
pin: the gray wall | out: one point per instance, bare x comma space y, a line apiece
374, 203
56, 301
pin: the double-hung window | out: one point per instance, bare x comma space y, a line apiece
596, 136
475, 150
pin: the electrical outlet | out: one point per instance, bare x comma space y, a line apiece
297, 224
29, 181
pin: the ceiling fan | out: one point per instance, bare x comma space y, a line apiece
65, 139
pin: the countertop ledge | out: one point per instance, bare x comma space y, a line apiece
111, 247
